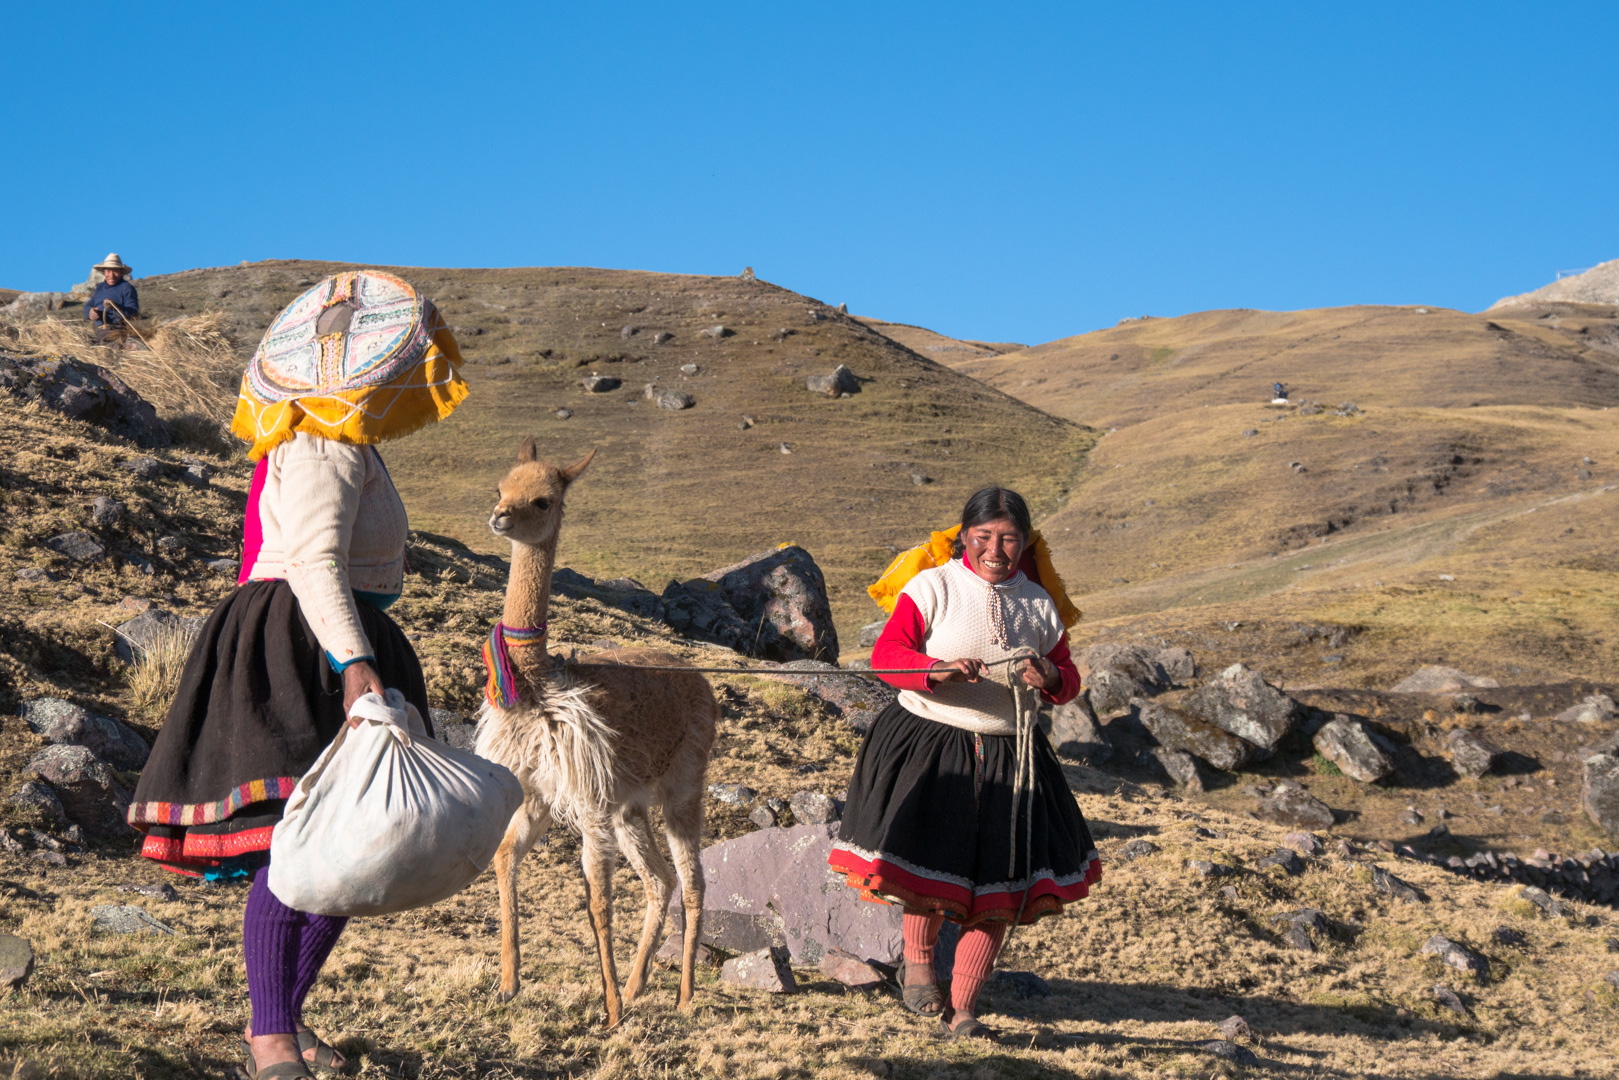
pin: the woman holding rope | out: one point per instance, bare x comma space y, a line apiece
951, 814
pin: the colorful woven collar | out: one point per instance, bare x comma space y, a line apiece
502, 687
387, 366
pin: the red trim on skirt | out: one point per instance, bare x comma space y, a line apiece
196, 851
880, 881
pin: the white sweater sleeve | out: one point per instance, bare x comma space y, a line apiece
321, 481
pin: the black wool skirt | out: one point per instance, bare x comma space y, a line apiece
928, 825
258, 702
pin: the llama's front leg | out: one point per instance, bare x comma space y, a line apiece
597, 859
521, 834
634, 834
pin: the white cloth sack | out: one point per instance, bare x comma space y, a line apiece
388, 819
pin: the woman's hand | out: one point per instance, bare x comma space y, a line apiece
963, 670
359, 679
1042, 674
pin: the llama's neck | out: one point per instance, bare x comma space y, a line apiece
528, 602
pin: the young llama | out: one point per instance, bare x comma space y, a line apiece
595, 747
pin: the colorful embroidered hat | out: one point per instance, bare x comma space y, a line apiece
360, 358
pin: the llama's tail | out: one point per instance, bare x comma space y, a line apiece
560, 747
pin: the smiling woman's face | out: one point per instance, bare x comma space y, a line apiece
993, 549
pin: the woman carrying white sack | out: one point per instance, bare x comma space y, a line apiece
360, 358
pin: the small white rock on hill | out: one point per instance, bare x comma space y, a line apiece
1598, 285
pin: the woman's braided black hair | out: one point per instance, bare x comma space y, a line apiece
993, 504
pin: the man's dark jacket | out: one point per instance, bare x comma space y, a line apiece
122, 294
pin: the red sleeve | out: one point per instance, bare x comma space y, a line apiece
900, 646
1070, 674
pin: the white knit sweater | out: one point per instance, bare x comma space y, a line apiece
955, 605
332, 522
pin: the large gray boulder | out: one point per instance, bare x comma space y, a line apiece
1140, 662
1240, 701
84, 392
1346, 743
64, 723
1435, 679
773, 887
1600, 793
1290, 804
136, 637
1074, 732
856, 700
771, 605
1471, 755
1180, 731
1110, 691
841, 381
1595, 709
90, 794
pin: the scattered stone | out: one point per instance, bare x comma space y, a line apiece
16, 961
1025, 984
841, 381
1240, 701
563, 414
921, 478
1206, 870
105, 511
1599, 795
1235, 1027
662, 336
1596, 709
1229, 1051
84, 392
1304, 843
1297, 937
171, 546
1434, 679
1285, 859
1074, 732
1346, 743
196, 474
33, 575
1466, 703
628, 332
871, 632
1181, 767
138, 564
764, 817
89, 793
78, 546
766, 970
1506, 935
671, 950
733, 794
1545, 901
224, 567
453, 731
1178, 730
673, 400
857, 702
850, 970
1471, 755
784, 448
1135, 849
689, 369
1457, 956
126, 919
42, 798
146, 630
1447, 997
1409, 816
1385, 882
1295, 806
1249, 433
161, 891
144, 467
64, 723
601, 384
815, 808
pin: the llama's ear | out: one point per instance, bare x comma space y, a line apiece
571, 473
527, 452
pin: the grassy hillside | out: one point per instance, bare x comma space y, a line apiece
679, 493
1479, 449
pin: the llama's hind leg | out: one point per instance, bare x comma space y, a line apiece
527, 826
634, 833
683, 825
597, 859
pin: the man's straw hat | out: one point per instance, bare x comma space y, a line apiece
112, 262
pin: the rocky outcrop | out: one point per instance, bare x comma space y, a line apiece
84, 392
1074, 732
772, 605
1176, 730
90, 794
64, 723
1346, 743
1240, 701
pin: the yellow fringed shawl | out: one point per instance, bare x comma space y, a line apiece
939, 550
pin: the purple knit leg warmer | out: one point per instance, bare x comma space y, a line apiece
284, 950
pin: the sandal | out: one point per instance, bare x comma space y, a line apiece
281, 1070
924, 1000
969, 1028
325, 1054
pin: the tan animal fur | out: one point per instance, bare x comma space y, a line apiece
595, 748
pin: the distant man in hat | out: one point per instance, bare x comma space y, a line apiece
113, 303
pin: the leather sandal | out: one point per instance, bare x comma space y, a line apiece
281, 1070
969, 1028
924, 1000
325, 1054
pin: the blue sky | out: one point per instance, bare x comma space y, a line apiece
1010, 173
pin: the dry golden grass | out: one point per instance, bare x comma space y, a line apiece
155, 675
